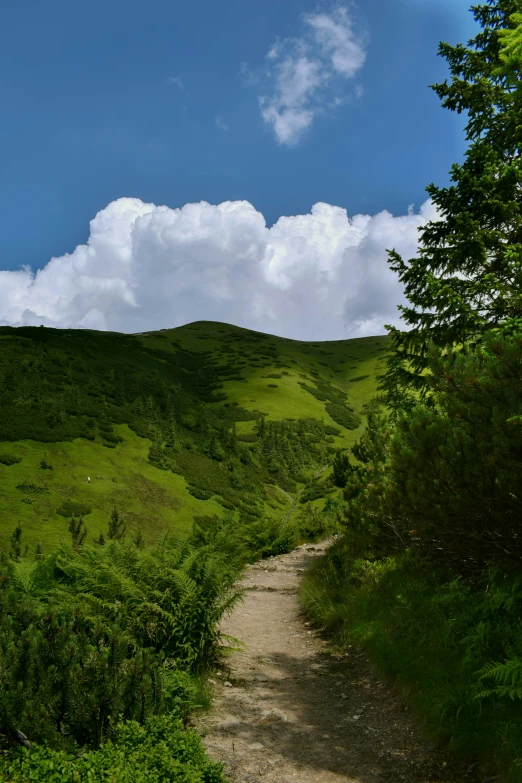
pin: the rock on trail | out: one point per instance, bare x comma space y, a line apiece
288, 711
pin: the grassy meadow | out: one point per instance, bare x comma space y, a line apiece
262, 374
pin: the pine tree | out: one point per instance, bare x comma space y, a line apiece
468, 275
341, 469
214, 449
15, 543
117, 526
78, 532
261, 427
155, 452
232, 440
151, 411
171, 440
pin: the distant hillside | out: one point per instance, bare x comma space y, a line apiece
170, 425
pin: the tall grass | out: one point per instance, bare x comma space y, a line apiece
456, 651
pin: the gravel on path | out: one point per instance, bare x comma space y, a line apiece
287, 710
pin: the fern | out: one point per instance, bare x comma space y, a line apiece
507, 676
24, 576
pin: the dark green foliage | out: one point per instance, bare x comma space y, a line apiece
445, 480
78, 532
105, 630
171, 438
234, 412
324, 390
319, 395
467, 277
246, 539
111, 437
341, 469
272, 385
200, 494
287, 447
44, 465
329, 430
9, 459
359, 378
314, 491
214, 448
470, 446
65, 380
15, 543
343, 416
72, 508
34, 489
117, 526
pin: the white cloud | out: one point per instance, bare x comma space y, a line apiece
177, 80
247, 76
306, 74
335, 36
221, 124
319, 276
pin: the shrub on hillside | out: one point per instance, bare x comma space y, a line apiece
72, 508
341, 415
200, 494
9, 459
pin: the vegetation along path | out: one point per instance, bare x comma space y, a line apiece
288, 710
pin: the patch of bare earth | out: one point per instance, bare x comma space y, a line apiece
288, 711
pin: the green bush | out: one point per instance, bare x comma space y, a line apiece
161, 751
34, 489
111, 437
88, 636
200, 494
341, 415
71, 508
446, 476
9, 459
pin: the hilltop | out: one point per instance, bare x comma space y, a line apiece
171, 425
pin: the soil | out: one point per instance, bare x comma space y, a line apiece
289, 710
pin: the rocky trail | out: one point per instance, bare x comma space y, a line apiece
288, 711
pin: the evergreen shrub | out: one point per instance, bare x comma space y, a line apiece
9, 459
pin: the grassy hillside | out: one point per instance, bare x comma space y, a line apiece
166, 424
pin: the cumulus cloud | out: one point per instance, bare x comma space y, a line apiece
319, 276
305, 75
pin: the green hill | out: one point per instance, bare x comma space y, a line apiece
170, 425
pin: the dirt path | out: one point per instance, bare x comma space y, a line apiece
287, 711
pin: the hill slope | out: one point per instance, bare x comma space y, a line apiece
169, 425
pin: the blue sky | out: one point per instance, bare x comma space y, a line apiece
176, 103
